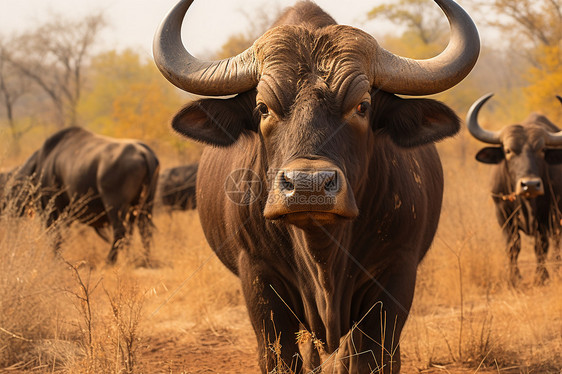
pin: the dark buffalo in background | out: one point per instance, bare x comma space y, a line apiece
321, 189
96, 180
176, 187
526, 183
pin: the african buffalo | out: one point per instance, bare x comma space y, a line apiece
176, 187
321, 190
526, 183
94, 179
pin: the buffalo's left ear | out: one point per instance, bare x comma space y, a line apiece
490, 155
413, 122
553, 156
217, 122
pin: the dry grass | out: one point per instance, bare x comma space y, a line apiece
186, 313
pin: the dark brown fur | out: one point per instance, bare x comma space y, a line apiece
327, 277
176, 187
105, 181
539, 216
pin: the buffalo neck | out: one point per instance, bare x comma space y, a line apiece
322, 258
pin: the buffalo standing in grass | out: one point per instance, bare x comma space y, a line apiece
320, 189
96, 180
176, 187
526, 183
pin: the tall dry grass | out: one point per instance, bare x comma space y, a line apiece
29, 317
464, 316
464, 312
69, 312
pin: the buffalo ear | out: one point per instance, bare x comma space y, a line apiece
553, 156
490, 155
217, 121
414, 122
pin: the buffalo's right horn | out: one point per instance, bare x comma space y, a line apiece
490, 137
407, 76
554, 139
214, 78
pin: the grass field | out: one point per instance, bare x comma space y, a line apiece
186, 314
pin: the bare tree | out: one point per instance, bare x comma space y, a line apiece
12, 88
421, 18
527, 24
53, 57
257, 21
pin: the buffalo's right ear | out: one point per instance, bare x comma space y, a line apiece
553, 156
490, 155
217, 121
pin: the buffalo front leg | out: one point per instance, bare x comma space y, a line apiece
53, 226
145, 230
119, 235
556, 259
513, 240
274, 324
372, 345
541, 251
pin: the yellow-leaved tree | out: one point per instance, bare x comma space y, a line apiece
128, 98
545, 82
534, 31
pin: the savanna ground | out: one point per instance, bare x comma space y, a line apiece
186, 314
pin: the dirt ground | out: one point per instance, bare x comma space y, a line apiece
464, 319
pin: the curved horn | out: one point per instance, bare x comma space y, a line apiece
554, 138
401, 75
474, 128
214, 78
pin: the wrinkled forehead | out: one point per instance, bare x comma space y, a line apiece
517, 137
292, 58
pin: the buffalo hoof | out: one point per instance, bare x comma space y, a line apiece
145, 263
111, 258
515, 278
541, 276
556, 263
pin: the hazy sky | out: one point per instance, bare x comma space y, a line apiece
132, 22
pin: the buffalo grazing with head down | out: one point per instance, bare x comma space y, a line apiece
176, 187
93, 179
526, 183
320, 188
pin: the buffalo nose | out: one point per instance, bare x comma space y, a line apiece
306, 188
323, 182
530, 187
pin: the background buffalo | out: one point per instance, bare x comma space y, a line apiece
99, 181
176, 187
332, 185
526, 183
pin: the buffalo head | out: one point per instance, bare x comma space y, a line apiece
526, 149
318, 95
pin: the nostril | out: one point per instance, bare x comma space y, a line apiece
285, 182
530, 184
330, 182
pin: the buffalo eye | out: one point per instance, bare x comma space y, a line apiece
263, 110
363, 108
507, 151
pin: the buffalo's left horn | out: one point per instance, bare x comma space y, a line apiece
407, 76
490, 137
214, 78
554, 138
